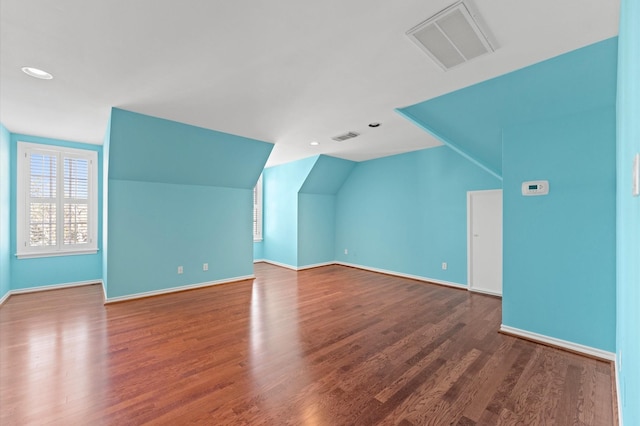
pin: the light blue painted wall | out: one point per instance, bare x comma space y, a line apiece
559, 250
299, 210
523, 122
178, 195
628, 214
258, 250
470, 119
29, 273
280, 203
316, 228
156, 227
408, 213
317, 210
327, 175
150, 149
5, 212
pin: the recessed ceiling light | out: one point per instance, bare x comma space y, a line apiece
37, 73
314, 143
374, 124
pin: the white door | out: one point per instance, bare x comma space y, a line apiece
484, 217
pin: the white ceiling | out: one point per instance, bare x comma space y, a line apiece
283, 71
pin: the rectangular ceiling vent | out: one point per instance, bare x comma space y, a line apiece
451, 37
346, 136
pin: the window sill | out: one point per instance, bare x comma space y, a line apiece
257, 240
33, 255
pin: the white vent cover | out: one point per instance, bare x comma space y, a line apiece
346, 136
451, 37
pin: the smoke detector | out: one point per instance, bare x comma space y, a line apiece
451, 37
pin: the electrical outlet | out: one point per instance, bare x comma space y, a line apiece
346, 251
444, 266
180, 270
205, 266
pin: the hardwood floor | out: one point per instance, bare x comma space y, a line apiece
326, 346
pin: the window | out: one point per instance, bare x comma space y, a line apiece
257, 211
57, 211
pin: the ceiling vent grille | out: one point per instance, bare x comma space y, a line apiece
346, 136
451, 37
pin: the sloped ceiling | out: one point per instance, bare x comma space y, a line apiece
150, 149
287, 72
471, 120
327, 175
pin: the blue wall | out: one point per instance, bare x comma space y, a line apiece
258, 250
156, 227
552, 120
5, 212
628, 214
316, 228
299, 206
43, 271
178, 195
408, 213
470, 120
317, 210
559, 249
280, 205
327, 175
149, 149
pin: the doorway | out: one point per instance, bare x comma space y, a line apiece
484, 241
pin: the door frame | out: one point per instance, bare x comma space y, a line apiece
469, 242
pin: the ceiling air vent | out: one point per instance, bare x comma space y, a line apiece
451, 37
346, 136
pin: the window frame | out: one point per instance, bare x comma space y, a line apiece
23, 187
257, 211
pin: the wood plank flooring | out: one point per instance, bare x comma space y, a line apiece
326, 346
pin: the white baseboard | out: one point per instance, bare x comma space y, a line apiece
618, 396
175, 289
564, 344
55, 286
259, 260
282, 265
48, 288
490, 293
403, 275
368, 268
5, 297
295, 268
315, 265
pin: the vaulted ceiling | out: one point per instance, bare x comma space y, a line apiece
285, 71
471, 120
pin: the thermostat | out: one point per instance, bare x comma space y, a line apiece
535, 187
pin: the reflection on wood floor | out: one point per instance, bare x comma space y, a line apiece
326, 346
